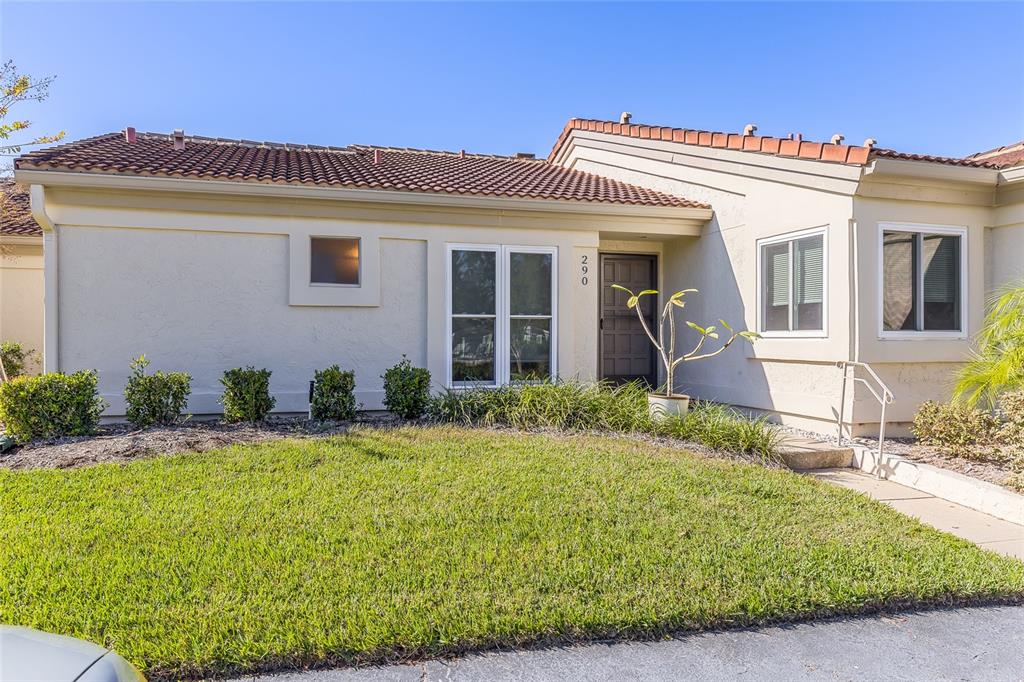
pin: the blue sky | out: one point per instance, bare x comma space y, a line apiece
935, 78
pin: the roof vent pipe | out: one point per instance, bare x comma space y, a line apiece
749, 129
129, 135
179, 138
870, 142
377, 157
837, 139
525, 155
796, 137
625, 116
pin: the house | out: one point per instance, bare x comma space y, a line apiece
21, 271
206, 254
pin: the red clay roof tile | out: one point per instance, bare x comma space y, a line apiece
399, 169
1001, 157
16, 212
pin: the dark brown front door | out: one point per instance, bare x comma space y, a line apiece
626, 352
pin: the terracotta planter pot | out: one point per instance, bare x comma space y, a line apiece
663, 406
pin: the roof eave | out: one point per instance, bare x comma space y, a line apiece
377, 196
931, 170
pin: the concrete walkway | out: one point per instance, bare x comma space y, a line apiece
984, 644
983, 530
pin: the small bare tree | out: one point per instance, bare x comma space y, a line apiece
667, 347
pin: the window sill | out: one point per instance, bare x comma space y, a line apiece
923, 336
795, 335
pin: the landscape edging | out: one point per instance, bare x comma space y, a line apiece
982, 496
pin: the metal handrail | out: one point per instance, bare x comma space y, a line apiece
886, 398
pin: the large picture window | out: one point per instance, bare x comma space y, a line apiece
792, 284
922, 273
502, 314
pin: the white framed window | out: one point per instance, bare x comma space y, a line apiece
334, 261
922, 283
501, 306
792, 284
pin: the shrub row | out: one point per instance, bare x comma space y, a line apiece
55, 404
969, 432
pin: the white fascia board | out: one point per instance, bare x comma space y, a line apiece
28, 239
932, 170
150, 183
1011, 175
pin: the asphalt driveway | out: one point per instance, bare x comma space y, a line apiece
985, 643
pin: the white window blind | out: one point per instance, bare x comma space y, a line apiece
793, 284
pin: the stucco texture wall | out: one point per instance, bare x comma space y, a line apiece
206, 290
21, 298
793, 377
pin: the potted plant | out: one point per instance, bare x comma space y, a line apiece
670, 403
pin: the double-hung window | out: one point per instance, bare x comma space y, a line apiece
922, 273
502, 320
792, 284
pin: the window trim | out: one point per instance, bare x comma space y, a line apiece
359, 262
913, 334
502, 312
759, 316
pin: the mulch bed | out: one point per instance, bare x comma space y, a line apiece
121, 442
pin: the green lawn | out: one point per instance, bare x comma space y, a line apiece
390, 543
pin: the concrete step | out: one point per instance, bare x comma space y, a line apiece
802, 454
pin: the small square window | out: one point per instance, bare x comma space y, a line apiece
334, 260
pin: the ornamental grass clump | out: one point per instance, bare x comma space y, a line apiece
406, 389
158, 398
564, 405
723, 428
246, 396
51, 405
334, 396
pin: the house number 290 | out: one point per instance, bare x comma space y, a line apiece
584, 269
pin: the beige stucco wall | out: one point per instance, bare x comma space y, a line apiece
21, 296
1005, 246
795, 378
757, 196
202, 284
916, 367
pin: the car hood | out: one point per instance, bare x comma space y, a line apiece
29, 655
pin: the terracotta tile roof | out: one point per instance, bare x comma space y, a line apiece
1007, 156
355, 166
793, 147
15, 212
1003, 157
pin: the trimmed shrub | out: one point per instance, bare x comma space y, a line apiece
51, 405
334, 394
406, 389
246, 395
1011, 433
14, 357
157, 398
954, 427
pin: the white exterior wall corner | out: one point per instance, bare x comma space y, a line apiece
201, 284
753, 196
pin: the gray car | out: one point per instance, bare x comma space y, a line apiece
28, 655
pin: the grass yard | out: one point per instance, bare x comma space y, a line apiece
390, 543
